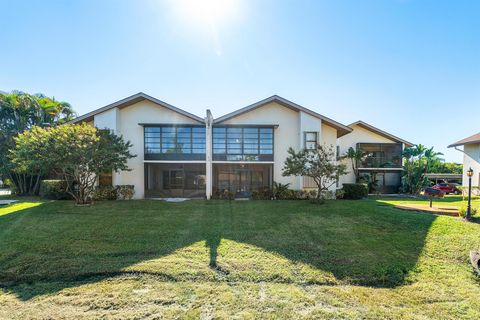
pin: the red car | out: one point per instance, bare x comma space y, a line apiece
447, 188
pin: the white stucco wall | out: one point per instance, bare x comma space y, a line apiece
127, 124
358, 135
471, 159
108, 120
285, 136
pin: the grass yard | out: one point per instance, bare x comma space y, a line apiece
241, 259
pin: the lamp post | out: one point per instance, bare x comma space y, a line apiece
469, 207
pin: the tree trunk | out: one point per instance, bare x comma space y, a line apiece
36, 188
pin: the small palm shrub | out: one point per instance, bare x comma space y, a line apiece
280, 190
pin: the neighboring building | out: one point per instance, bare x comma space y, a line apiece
383, 155
182, 155
471, 157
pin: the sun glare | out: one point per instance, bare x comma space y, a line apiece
207, 11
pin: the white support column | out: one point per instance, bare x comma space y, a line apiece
208, 153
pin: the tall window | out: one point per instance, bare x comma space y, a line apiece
170, 142
243, 143
311, 140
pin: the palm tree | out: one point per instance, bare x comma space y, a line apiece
354, 156
20, 111
431, 156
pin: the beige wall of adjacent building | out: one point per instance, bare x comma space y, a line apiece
471, 159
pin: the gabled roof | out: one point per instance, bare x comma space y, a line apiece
132, 100
470, 140
381, 133
341, 129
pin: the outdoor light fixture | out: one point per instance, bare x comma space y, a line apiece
469, 207
470, 172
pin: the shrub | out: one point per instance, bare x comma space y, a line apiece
223, 195
328, 195
55, 190
280, 190
462, 211
339, 193
355, 191
105, 193
265, 194
125, 192
290, 194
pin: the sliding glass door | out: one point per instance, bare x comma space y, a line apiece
242, 179
175, 180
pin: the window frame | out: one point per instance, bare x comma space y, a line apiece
249, 138
177, 133
305, 141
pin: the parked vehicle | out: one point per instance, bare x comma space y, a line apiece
447, 188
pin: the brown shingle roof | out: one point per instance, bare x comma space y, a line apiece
470, 140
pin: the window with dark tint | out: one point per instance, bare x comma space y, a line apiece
243, 143
174, 143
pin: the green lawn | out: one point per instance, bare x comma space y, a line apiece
243, 259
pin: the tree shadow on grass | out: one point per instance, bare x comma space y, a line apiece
58, 245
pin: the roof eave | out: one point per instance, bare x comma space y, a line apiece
341, 129
130, 101
382, 133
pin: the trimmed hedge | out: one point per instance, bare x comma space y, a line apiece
105, 193
55, 190
355, 191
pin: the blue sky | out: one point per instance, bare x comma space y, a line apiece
410, 67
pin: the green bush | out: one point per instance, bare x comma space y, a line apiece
355, 191
280, 190
223, 195
290, 194
265, 194
105, 193
125, 192
462, 211
339, 194
55, 190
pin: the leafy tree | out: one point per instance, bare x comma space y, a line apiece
319, 164
77, 153
446, 167
419, 160
20, 111
354, 156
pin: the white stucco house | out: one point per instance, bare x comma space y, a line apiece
180, 154
471, 157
